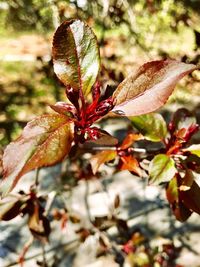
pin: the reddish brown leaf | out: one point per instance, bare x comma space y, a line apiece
131, 164
103, 139
10, 207
38, 224
45, 141
76, 55
191, 197
188, 180
181, 212
194, 149
130, 139
150, 87
100, 158
64, 108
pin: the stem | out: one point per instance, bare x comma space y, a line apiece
83, 108
24, 251
37, 178
110, 148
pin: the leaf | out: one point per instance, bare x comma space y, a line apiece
194, 149
76, 55
152, 126
190, 198
181, 212
172, 190
45, 141
10, 207
149, 88
188, 180
64, 108
161, 169
97, 160
131, 164
103, 139
130, 139
192, 162
38, 224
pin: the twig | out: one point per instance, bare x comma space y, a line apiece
110, 148
37, 178
24, 251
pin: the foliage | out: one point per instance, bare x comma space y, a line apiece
48, 139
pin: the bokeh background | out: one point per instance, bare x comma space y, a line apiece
129, 33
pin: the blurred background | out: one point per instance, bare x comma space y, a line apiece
129, 33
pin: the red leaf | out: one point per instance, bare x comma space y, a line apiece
150, 87
45, 141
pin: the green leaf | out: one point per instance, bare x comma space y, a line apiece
76, 55
45, 141
150, 87
161, 169
152, 126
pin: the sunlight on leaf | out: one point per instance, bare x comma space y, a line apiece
149, 88
76, 55
45, 141
161, 169
152, 126
131, 164
188, 180
130, 139
101, 158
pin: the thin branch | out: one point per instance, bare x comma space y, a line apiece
37, 178
113, 148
